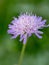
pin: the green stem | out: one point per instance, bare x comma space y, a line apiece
22, 54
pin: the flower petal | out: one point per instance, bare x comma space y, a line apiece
38, 35
25, 39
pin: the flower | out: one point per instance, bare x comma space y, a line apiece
26, 25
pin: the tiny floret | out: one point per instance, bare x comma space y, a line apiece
26, 25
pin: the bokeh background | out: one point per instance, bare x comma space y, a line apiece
37, 50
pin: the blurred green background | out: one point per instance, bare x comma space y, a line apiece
37, 50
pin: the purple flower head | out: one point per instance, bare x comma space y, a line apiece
26, 25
